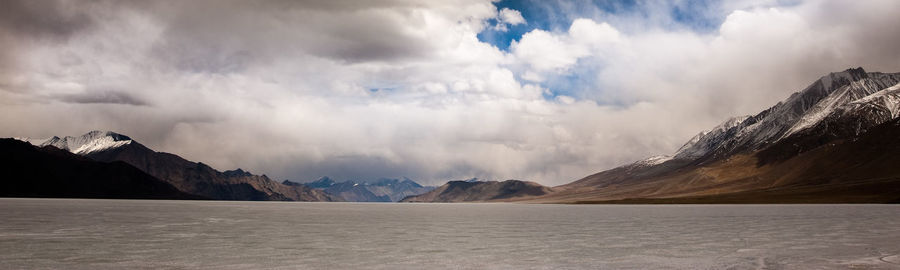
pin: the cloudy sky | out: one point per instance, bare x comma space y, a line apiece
547, 91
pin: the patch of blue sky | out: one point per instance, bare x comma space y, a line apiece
697, 15
581, 80
557, 16
552, 16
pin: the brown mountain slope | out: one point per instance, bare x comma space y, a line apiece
201, 179
831, 142
481, 191
863, 169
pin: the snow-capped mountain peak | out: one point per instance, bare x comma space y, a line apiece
838, 79
833, 93
853, 86
90, 142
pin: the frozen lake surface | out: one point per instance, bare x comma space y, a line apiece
127, 234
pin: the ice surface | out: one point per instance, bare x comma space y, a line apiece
128, 234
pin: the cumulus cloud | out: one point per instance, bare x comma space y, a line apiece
544, 51
404, 88
507, 17
755, 58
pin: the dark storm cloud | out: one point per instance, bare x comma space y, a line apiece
103, 97
43, 18
228, 36
41, 21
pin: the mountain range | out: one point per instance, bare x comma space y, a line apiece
833, 142
379, 190
31, 171
194, 178
474, 191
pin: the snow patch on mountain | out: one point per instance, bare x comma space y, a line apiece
819, 111
708, 141
99, 144
653, 161
863, 91
690, 143
888, 99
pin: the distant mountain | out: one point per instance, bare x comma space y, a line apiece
355, 192
830, 142
49, 172
478, 191
187, 176
396, 189
323, 182
379, 190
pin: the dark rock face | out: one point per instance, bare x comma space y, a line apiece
237, 173
466, 191
53, 173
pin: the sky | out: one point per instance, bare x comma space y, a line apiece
538, 90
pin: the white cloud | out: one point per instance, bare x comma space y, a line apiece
544, 51
388, 88
507, 17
